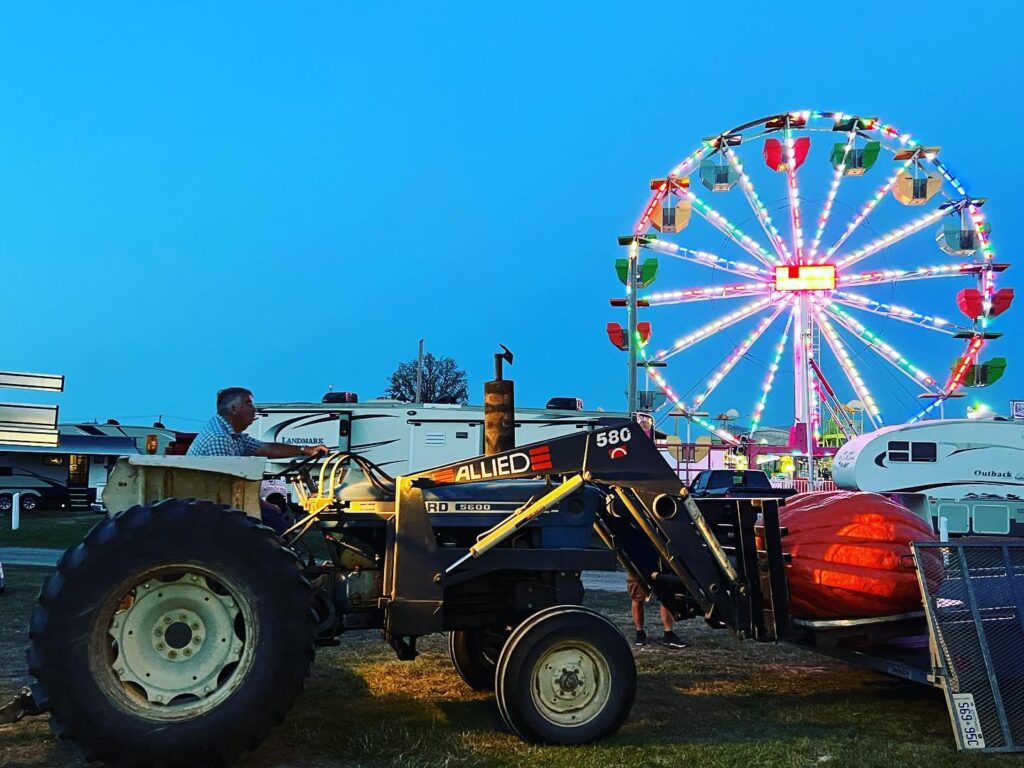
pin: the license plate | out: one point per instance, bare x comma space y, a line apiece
967, 721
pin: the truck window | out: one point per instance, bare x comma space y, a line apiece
924, 451
757, 479
724, 480
899, 450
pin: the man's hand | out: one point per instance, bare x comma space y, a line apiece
313, 450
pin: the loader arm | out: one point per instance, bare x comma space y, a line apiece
650, 521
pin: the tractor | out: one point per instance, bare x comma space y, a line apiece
181, 630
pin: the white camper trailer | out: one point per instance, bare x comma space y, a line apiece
401, 437
968, 471
72, 474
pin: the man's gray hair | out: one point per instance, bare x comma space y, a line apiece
230, 397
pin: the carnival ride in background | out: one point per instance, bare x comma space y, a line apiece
816, 285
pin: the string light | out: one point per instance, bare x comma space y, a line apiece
852, 374
891, 238
715, 325
703, 257
700, 294
725, 226
833, 190
780, 350
794, 196
898, 275
877, 342
866, 210
740, 350
759, 209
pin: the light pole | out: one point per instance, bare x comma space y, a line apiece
631, 286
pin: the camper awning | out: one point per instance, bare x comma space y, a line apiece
86, 445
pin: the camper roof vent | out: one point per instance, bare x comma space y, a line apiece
565, 404
340, 397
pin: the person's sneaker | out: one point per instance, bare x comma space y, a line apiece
641, 637
673, 640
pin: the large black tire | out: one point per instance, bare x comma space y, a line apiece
474, 653
565, 676
145, 590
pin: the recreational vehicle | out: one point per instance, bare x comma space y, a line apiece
74, 472
406, 436
965, 475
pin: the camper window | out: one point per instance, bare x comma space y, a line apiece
923, 451
899, 450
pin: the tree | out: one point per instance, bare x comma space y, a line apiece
443, 381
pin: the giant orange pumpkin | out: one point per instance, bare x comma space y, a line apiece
850, 555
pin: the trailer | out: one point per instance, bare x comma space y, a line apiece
400, 437
73, 473
966, 476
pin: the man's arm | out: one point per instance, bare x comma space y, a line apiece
287, 450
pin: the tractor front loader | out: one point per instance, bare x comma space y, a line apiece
180, 630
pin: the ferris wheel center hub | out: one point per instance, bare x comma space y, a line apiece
805, 277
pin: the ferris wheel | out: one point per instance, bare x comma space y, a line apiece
813, 274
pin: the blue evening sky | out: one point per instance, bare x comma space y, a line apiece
289, 195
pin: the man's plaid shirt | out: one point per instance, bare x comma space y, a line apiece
219, 439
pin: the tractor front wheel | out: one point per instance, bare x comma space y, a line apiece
177, 634
475, 652
565, 676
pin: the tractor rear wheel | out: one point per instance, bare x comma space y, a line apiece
177, 634
565, 676
474, 653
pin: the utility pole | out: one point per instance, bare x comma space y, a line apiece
419, 375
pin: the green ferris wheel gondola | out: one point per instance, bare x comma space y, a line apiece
858, 161
982, 374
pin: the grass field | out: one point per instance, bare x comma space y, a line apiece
58, 529
718, 703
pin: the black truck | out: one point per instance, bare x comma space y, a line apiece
736, 483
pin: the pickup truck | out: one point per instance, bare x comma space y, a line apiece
736, 483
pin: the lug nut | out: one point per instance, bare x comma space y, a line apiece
160, 646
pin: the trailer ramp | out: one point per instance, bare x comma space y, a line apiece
974, 602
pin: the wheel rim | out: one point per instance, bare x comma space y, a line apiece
571, 684
176, 644
6, 503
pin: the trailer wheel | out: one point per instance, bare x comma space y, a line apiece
6, 503
474, 653
177, 634
28, 503
565, 676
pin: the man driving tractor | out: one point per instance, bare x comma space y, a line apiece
224, 435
